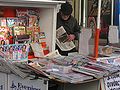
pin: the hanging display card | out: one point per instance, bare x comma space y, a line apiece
113, 34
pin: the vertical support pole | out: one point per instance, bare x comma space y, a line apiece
112, 11
97, 31
84, 10
80, 12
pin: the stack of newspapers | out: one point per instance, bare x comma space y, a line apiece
95, 69
71, 77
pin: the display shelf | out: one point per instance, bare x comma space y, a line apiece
48, 13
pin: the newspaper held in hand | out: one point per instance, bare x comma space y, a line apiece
62, 40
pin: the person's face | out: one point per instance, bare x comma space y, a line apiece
11, 49
2, 42
64, 17
1, 49
24, 48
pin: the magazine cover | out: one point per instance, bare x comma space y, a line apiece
22, 14
3, 22
32, 20
33, 17
3, 32
37, 49
12, 22
16, 52
29, 30
42, 39
19, 30
23, 21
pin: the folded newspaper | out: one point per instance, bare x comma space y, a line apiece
62, 40
96, 69
71, 77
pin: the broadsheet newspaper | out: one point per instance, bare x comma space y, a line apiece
62, 40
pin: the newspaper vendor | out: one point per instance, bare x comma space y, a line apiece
69, 23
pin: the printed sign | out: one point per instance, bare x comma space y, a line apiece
112, 82
17, 83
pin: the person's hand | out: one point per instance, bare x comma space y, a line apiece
71, 37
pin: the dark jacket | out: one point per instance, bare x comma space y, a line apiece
71, 26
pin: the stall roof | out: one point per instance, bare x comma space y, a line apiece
34, 1
28, 3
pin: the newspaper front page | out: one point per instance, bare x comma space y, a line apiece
62, 40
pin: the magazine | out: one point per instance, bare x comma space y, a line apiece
96, 69
62, 40
9, 67
12, 22
37, 49
3, 22
19, 30
15, 52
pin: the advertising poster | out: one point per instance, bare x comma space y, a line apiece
105, 16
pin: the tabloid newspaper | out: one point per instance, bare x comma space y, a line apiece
62, 40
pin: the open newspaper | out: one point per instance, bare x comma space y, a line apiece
62, 40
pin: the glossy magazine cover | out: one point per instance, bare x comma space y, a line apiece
16, 52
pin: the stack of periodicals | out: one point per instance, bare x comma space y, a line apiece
71, 59
85, 65
95, 69
71, 77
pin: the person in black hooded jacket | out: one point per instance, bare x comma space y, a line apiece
70, 24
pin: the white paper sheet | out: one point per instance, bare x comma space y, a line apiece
85, 36
113, 34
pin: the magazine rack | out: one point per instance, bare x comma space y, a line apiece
48, 13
